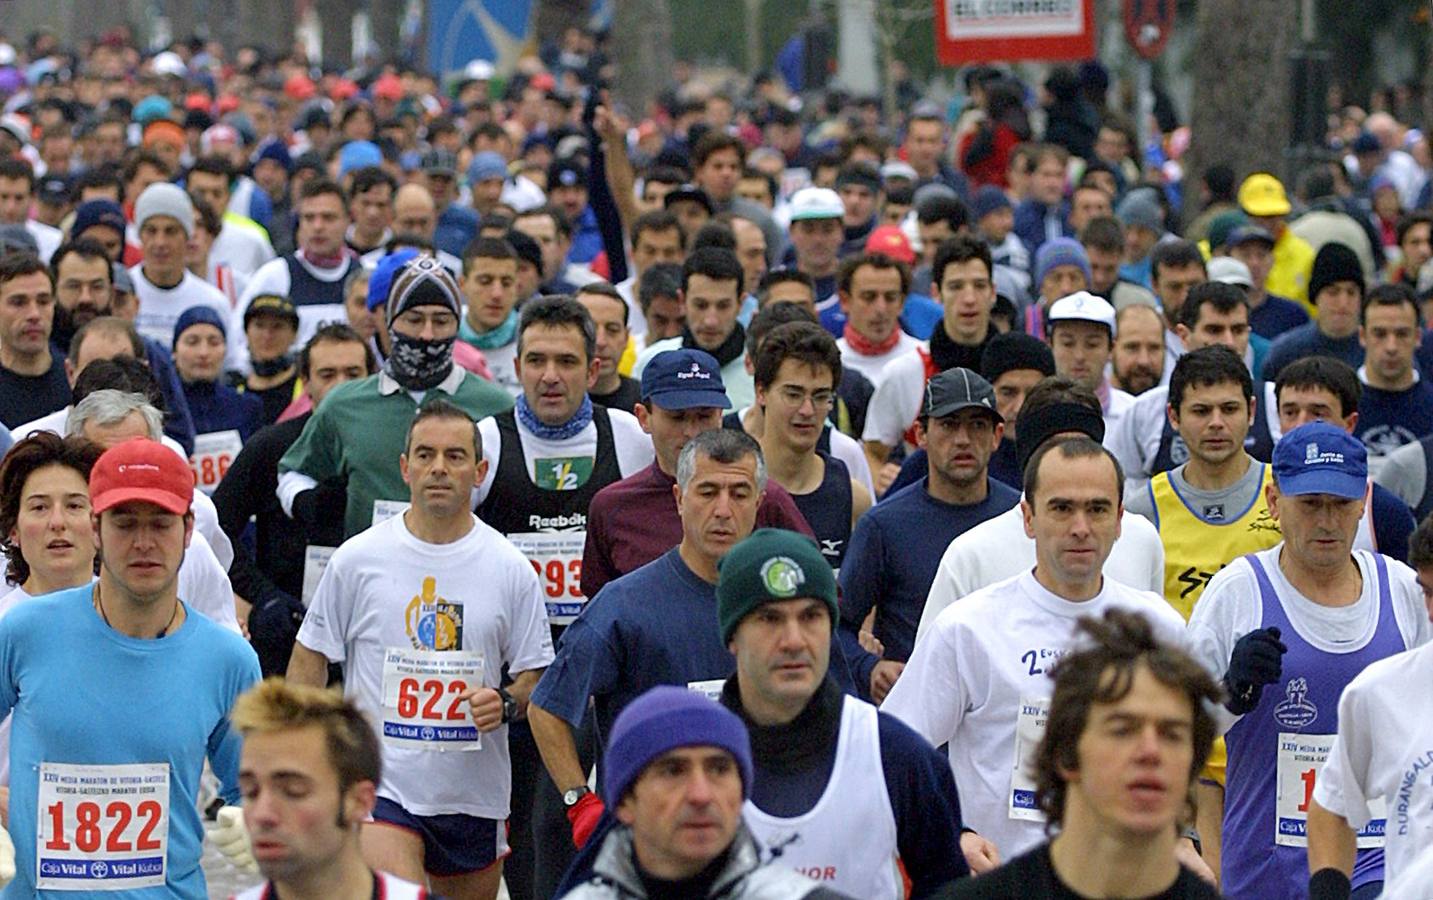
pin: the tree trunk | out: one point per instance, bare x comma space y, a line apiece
642, 45
387, 17
336, 17
555, 16
1242, 107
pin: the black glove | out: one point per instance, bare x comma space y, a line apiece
1329, 884
1257, 660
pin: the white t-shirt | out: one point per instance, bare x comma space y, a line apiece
633, 446
273, 278
204, 583
160, 308
1115, 407
47, 238
636, 322
502, 362
997, 549
983, 660
243, 248
1230, 608
872, 366
1384, 749
844, 448
897, 400
385, 592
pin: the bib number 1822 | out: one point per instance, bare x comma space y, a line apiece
111, 826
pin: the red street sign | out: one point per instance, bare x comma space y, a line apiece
972, 31
1148, 25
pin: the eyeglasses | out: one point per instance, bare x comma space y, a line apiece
795, 396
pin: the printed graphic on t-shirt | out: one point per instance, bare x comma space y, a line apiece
1296, 710
431, 621
562, 473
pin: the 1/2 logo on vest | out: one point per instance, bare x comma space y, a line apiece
1296, 710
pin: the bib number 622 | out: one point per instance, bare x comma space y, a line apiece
111, 826
410, 689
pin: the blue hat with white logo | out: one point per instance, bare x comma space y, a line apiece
684, 379
1319, 458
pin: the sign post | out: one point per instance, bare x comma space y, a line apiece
1148, 24
974, 31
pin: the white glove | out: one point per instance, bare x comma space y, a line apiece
7, 858
231, 838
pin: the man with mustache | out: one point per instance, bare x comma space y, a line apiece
623, 643
1287, 629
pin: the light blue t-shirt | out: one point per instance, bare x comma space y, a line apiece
82, 694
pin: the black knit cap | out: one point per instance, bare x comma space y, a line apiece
1335, 262
1015, 350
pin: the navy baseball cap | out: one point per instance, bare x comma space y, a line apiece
1319, 458
684, 379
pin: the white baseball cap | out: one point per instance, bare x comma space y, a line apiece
1081, 306
816, 203
1228, 270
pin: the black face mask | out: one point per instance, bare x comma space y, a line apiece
419, 364
265, 368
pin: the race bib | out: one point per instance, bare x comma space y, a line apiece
213, 453
1300, 758
557, 557
102, 828
424, 707
315, 561
710, 689
1029, 728
383, 510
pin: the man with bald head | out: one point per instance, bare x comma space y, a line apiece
415, 215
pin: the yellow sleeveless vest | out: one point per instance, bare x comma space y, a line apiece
1195, 548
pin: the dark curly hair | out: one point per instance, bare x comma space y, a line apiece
43, 448
1102, 671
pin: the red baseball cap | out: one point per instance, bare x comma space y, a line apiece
890, 240
141, 469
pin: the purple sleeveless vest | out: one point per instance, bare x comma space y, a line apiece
1303, 701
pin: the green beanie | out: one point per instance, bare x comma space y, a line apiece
772, 564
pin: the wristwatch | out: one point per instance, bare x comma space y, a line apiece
570, 798
509, 705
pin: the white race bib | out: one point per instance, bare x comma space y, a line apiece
383, 510
1029, 728
213, 453
315, 561
557, 557
1300, 758
424, 706
710, 689
102, 828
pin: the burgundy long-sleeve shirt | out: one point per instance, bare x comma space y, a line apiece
634, 521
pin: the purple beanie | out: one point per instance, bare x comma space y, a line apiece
665, 719
1061, 251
